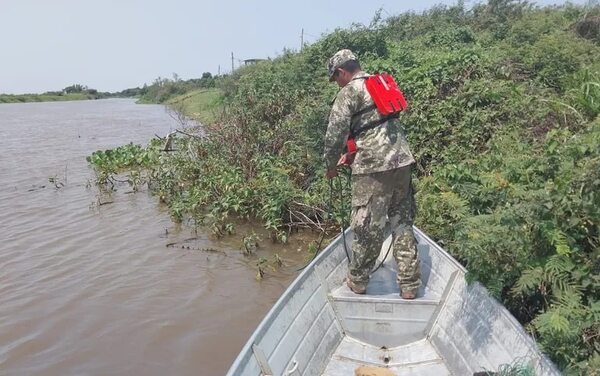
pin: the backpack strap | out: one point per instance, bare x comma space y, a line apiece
364, 110
373, 124
368, 108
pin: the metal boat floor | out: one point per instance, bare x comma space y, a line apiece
416, 359
383, 281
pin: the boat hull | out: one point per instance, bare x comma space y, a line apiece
319, 327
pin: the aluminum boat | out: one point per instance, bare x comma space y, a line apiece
319, 327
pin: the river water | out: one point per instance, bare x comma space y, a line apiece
89, 289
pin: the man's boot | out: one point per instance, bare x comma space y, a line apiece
408, 295
357, 288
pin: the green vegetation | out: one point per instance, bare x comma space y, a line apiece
46, 97
164, 89
518, 368
133, 158
504, 123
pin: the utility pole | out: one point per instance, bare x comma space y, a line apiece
232, 62
218, 74
302, 40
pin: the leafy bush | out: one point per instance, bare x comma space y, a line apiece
503, 119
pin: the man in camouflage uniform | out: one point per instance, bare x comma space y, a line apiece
381, 177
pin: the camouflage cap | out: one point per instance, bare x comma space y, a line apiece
337, 60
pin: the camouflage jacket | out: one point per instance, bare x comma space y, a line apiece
379, 149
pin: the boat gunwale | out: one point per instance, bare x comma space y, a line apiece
477, 287
441, 250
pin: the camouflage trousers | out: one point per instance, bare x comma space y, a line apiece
376, 199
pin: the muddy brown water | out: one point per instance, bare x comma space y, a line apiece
88, 289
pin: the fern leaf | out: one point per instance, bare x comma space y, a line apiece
557, 272
552, 322
529, 281
560, 243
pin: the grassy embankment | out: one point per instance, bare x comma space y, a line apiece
202, 105
503, 121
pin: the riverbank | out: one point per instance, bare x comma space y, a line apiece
26, 98
76, 92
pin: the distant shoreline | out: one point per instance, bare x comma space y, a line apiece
27, 98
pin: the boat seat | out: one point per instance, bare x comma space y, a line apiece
381, 317
415, 359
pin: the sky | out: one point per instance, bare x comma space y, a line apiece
111, 45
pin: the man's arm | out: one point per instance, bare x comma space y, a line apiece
338, 128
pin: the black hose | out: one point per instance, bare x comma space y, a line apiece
329, 214
344, 223
318, 250
386, 255
329, 210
